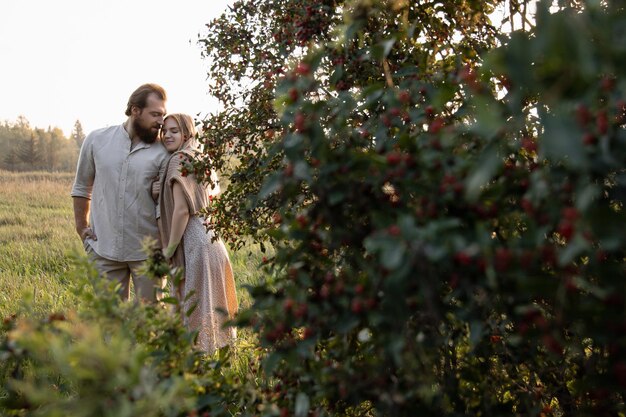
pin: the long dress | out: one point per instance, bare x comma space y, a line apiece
208, 276
207, 271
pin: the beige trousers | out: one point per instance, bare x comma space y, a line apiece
122, 272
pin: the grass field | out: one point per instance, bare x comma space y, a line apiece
38, 243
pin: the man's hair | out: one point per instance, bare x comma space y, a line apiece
185, 123
139, 97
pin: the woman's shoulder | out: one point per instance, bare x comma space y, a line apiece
177, 159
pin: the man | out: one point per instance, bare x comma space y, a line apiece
113, 206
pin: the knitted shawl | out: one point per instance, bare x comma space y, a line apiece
197, 195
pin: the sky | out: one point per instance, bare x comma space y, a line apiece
68, 60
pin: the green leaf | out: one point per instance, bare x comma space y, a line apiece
169, 300
271, 185
382, 49
191, 309
302, 171
575, 247
292, 141
270, 363
393, 254
586, 197
476, 333
561, 141
336, 197
336, 75
489, 119
484, 170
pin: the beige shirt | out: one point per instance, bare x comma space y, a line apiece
118, 181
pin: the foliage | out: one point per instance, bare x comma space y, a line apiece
111, 358
443, 197
47, 304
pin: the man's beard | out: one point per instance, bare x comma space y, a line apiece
146, 135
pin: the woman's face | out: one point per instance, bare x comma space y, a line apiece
172, 135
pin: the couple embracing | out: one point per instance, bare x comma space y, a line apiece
117, 205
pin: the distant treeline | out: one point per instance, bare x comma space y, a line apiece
28, 148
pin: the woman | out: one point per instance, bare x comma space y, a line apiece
208, 275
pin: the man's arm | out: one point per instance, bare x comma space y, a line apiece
81, 218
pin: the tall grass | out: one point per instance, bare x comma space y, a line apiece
37, 238
38, 243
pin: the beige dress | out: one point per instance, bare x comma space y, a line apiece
209, 283
207, 274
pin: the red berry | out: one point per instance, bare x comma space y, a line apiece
356, 306
566, 229
608, 83
404, 97
288, 170
463, 258
527, 206
302, 220
436, 125
293, 94
583, 116
288, 304
394, 230
394, 158
529, 145
589, 139
307, 333
301, 311
548, 255
570, 213
602, 122
454, 280
303, 68
299, 122
552, 344
325, 291
503, 258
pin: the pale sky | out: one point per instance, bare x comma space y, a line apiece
63, 60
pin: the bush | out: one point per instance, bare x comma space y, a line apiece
443, 200
112, 358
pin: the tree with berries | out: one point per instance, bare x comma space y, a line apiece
443, 184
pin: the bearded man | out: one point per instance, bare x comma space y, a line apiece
113, 206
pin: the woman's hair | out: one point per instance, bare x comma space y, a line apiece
185, 123
188, 129
139, 97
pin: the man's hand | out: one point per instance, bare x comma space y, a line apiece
81, 216
85, 233
156, 188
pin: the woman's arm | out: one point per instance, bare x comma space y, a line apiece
180, 217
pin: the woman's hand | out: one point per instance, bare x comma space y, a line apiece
170, 250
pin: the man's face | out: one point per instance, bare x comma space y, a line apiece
147, 122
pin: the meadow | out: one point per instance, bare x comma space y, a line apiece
38, 244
